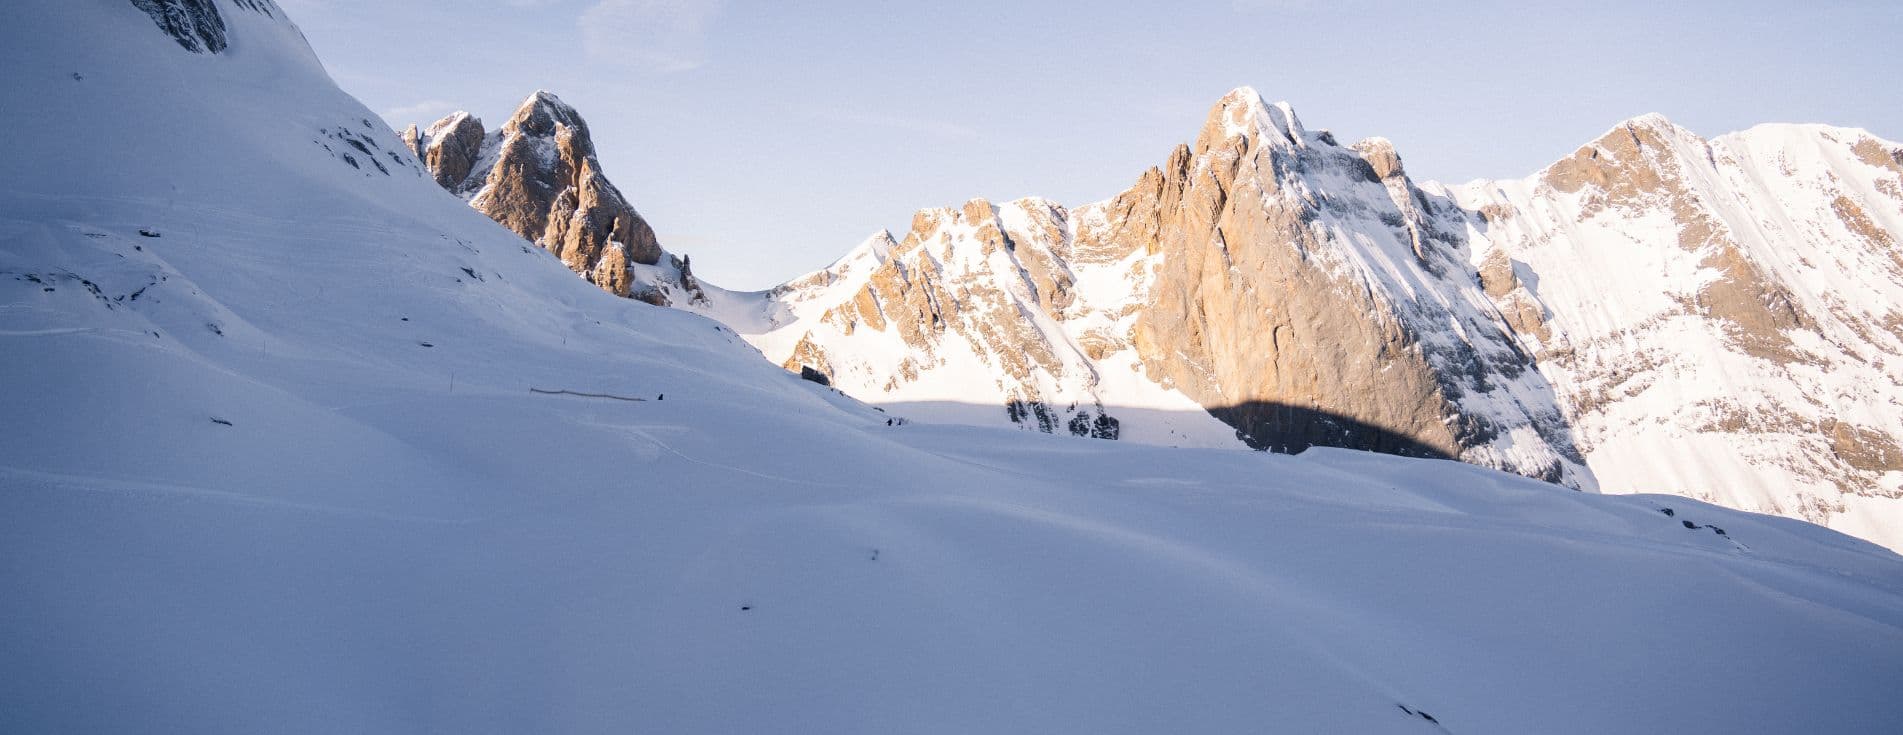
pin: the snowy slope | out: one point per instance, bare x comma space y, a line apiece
280, 469
1722, 317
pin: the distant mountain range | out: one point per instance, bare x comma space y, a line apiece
1721, 319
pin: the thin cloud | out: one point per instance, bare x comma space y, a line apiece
659, 36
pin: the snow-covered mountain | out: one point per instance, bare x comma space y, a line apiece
297, 442
1723, 319
1654, 313
1303, 292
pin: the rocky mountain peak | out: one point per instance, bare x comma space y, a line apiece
1242, 114
448, 148
539, 176
1381, 156
1223, 279
542, 114
1643, 155
978, 211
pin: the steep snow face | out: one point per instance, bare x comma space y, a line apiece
1722, 318
1266, 286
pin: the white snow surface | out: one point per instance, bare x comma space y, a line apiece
280, 470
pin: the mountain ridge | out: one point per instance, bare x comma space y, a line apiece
1025, 306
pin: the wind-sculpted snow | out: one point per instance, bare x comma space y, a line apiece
295, 448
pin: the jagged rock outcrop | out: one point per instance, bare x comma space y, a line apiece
1312, 295
449, 149
197, 25
538, 175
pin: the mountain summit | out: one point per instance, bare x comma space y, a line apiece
538, 176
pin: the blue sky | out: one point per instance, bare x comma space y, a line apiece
767, 138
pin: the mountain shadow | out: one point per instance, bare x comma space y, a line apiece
1290, 429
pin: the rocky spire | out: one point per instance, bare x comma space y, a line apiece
449, 149
539, 176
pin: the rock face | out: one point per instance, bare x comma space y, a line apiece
197, 25
538, 176
1656, 312
1311, 295
449, 148
194, 24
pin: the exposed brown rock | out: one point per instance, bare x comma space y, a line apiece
1130, 219
1518, 308
1244, 320
1623, 163
1496, 274
1757, 310
1633, 168
808, 354
1859, 223
1242, 323
412, 140
1864, 448
1381, 157
546, 184
450, 148
1871, 151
